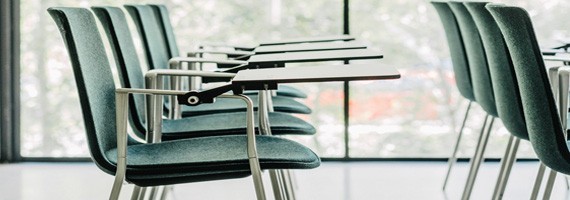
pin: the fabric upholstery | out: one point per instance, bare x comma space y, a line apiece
543, 123
114, 22
222, 153
477, 61
231, 123
96, 93
456, 49
505, 87
179, 161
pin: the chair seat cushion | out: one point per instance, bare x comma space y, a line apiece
210, 158
224, 105
231, 123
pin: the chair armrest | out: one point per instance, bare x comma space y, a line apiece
229, 53
175, 62
236, 47
148, 91
152, 80
153, 74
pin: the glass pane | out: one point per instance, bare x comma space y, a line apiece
420, 114
326, 101
51, 123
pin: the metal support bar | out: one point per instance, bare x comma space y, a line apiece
276, 184
122, 106
538, 182
136, 193
251, 147
143, 193
506, 166
477, 159
549, 184
289, 189
453, 158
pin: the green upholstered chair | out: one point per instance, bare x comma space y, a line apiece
168, 33
505, 87
545, 121
181, 161
460, 69
114, 22
481, 82
157, 54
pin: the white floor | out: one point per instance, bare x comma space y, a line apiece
332, 181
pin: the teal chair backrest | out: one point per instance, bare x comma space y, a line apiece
543, 123
114, 23
146, 21
165, 25
477, 61
456, 49
94, 80
505, 87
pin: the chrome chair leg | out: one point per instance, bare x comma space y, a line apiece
153, 192
477, 159
538, 182
276, 185
142, 194
291, 183
289, 190
506, 166
167, 189
549, 185
293, 178
136, 192
453, 158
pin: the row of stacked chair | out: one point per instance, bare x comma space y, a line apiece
207, 143
179, 142
498, 64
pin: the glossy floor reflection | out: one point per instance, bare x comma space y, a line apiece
332, 181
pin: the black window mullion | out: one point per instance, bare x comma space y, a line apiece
9, 80
346, 89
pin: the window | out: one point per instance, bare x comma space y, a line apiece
51, 124
423, 110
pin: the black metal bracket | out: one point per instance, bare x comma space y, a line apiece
194, 98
